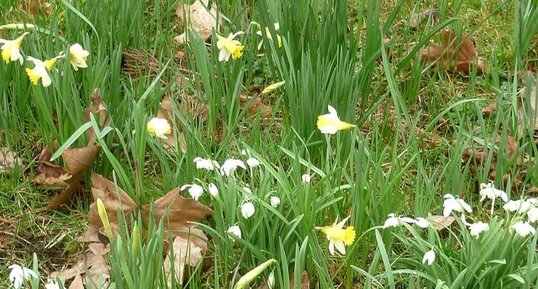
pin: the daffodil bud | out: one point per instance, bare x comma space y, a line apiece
252, 274
101, 210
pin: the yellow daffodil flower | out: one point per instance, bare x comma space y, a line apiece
78, 56
338, 236
273, 86
229, 47
41, 70
11, 49
269, 36
159, 127
330, 123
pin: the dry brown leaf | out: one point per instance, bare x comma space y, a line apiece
456, 54
441, 222
255, 106
305, 282
100, 111
197, 18
184, 252
114, 199
8, 160
77, 283
489, 109
91, 267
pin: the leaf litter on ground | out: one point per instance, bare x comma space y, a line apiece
198, 18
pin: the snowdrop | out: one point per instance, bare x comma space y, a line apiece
429, 257
490, 192
306, 178
205, 164
518, 206
235, 230
478, 228
253, 162
248, 210
194, 190
422, 223
19, 274
51, 284
523, 229
454, 204
532, 215
392, 221
275, 201
231, 165
213, 190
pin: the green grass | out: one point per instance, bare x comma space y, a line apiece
414, 125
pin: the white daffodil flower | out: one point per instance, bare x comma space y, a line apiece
330, 123
159, 127
11, 49
78, 56
41, 70
228, 46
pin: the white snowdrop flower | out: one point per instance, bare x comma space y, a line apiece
490, 192
248, 210
271, 280
429, 257
392, 221
51, 284
518, 206
523, 229
306, 178
19, 274
247, 189
253, 162
235, 230
231, 165
194, 190
213, 190
407, 220
532, 215
454, 204
244, 152
533, 201
205, 164
422, 223
275, 201
478, 228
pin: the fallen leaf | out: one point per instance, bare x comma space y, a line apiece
198, 19
305, 282
184, 252
8, 160
90, 268
489, 109
456, 54
256, 106
417, 18
99, 109
441, 222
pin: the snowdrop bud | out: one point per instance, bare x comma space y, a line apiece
429, 257
271, 280
235, 230
247, 189
253, 162
213, 190
306, 178
247, 210
275, 201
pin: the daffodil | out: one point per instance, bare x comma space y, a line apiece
41, 70
330, 123
338, 236
78, 56
228, 46
11, 49
269, 36
159, 127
